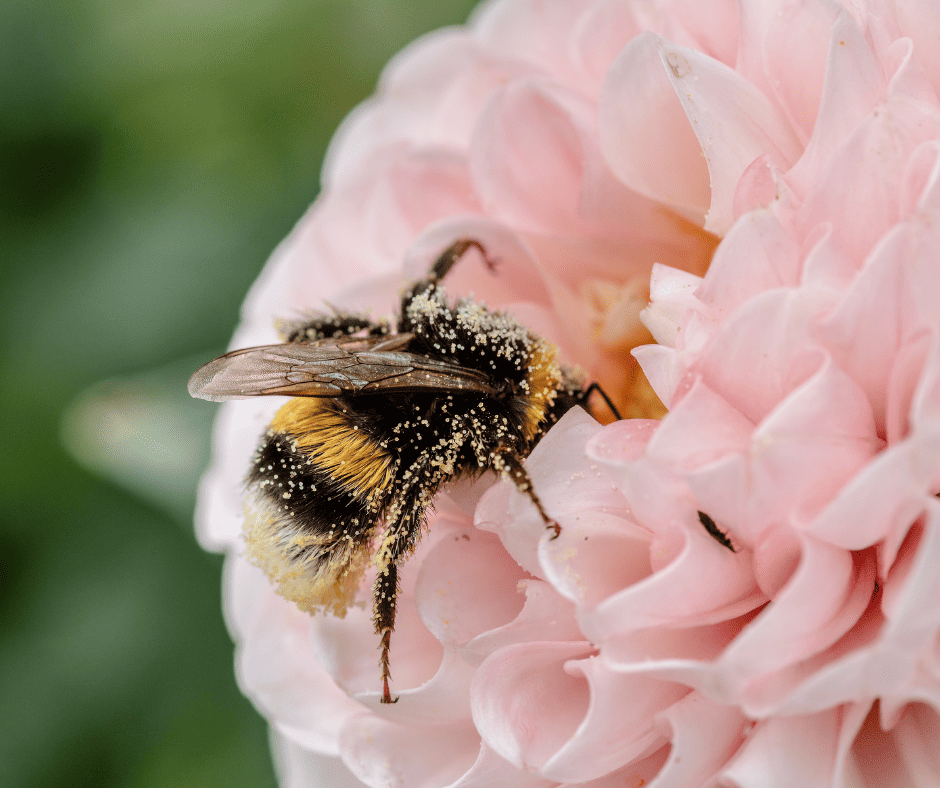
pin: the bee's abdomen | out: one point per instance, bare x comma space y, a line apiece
312, 514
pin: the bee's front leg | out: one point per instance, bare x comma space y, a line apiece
508, 463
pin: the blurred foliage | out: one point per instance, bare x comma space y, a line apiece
152, 154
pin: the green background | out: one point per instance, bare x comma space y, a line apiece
152, 154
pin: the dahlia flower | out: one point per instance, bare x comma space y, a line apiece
728, 214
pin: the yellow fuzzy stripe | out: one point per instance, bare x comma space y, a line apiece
321, 429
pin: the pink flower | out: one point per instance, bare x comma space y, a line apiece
601, 150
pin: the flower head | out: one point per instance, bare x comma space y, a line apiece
729, 210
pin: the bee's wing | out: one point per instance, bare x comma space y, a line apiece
330, 368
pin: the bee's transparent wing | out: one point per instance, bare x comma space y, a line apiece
330, 368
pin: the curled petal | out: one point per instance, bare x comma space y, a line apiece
526, 705
618, 727
514, 518
895, 130
279, 669
733, 121
706, 583
380, 752
701, 428
491, 769
645, 135
545, 616
451, 601
767, 760
758, 254
824, 598
854, 84
299, 767
694, 758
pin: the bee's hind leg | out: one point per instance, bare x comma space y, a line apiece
404, 522
385, 597
509, 464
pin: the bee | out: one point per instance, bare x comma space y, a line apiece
383, 414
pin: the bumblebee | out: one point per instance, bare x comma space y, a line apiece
383, 414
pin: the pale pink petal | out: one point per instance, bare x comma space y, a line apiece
701, 428
758, 254
907, 77
925, 402
645, 135
299, 768
526, 704
535, 32
828, 418
672, 296
782, 752
711, 26
452, 602
618, 726
595, 557
605, 28
824, 598
733, 121
885, 496
622, 441
684, 654
919, 188
527, 159
664, 369
444, 699
546, 616
430, 94
763, 351
758, 187
694, 758
514, 518
827, 269
865, 330
894, 130
854, 85
278, 668
888, 655
917, 21
381, 752
346, 646
755, 19
795, 56
915, 735
491, 770
706, 583
635, 775
905, 755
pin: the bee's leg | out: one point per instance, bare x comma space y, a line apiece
453, 253
508, 463
385, 596
403, 529
333, 326
444, 263
596, 387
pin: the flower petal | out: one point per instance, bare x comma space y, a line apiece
645, 135
526, 705
382, 753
